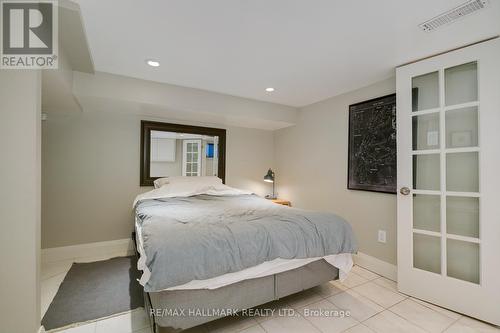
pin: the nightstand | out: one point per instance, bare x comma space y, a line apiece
282, 202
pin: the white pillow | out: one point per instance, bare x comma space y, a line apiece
160, 182
203, 180
188, 189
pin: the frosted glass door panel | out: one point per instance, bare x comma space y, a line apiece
425, 131
426, 172
462, 216
427, 212
463, 260
462, 172
427, 253
425, 91
461, 84
462, 128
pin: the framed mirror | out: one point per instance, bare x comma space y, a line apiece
181, 150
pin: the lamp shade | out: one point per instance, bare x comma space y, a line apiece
269, 177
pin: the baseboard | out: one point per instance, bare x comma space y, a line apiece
104, 249
378, 266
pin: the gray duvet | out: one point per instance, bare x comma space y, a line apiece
204, 236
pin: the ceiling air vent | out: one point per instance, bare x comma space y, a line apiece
454, 14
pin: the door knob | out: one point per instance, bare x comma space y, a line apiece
404, 190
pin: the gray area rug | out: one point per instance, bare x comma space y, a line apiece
95, 290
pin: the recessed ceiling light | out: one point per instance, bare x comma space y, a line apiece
153, 63
270, 89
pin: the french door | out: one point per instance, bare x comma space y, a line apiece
448, 132
191, 158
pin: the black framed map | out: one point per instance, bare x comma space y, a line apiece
372, 145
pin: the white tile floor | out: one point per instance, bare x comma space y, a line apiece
373, 302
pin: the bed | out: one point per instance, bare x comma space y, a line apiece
207, 250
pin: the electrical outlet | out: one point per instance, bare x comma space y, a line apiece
382, 236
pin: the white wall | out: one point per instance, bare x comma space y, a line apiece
91, 173
20, 104
311, 170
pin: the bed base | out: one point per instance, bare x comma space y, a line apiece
177, 310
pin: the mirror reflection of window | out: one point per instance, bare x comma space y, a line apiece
183, 154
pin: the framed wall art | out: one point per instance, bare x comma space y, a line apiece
372, 145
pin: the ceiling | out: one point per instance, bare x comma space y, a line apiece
308, 50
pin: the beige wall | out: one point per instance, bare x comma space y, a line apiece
311, 170
90, 172
20, 200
